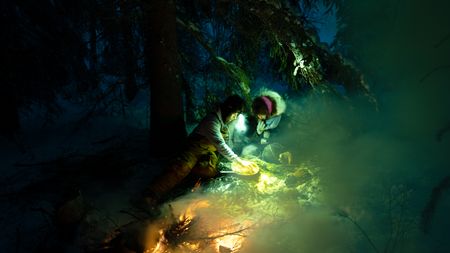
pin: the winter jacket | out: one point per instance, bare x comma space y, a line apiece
198, 156
213, 128
263, 126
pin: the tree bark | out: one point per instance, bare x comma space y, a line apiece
130, 67
10, 125
167, 127
9, 104
93, 44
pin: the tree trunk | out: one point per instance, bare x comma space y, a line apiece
10, 125
9, 105
167, 127
130, 66
93, 44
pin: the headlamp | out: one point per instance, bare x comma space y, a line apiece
240, 123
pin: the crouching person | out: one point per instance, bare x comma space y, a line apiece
268, 108
200, 155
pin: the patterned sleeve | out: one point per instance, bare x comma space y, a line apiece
214, 135
272, 122
268, 124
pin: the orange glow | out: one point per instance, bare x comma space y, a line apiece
190, 210
231, 237
223, 220
192, 246
231, 242
160, 246
224, 236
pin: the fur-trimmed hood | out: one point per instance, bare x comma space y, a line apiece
279, 101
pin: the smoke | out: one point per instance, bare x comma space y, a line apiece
375, 171
377, 168
279, 224
381, 166
307, 232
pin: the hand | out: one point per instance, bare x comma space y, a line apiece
260, 127
246, 167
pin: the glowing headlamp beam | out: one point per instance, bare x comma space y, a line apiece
240, 123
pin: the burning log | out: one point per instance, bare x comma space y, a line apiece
187, 233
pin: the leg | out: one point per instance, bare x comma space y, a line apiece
178, 169
206, 166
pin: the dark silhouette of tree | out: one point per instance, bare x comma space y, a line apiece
130, 66
100, 53
167, 129
42, 53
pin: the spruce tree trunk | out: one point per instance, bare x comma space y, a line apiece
93, 44
9, 112
167, 127
130, 66
9, 53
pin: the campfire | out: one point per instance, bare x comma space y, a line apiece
188, 232
221, 218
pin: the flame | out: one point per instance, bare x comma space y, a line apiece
192, 246
161, 244
156, 241
190, 210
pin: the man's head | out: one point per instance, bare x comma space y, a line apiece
231, 108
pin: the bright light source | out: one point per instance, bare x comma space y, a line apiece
240, 123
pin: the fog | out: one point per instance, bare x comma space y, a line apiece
378, 165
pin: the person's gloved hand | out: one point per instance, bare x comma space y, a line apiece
260, 127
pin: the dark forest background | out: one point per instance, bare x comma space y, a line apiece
100, 55
92, 89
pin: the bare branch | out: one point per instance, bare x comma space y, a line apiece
430, 209
438, 68
237, 232
442, 41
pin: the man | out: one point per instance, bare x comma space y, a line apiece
199, 156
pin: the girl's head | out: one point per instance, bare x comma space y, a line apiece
263, 107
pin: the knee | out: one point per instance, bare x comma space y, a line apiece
205, 171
